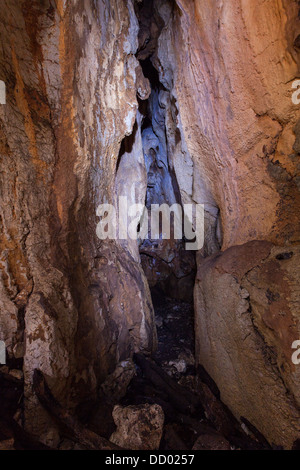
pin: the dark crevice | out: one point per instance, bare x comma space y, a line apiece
127, 144
151, 73
169, 268
162, 188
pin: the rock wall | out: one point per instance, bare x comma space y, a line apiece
247, 319
168, 266
229, 68
71, 80
71, 138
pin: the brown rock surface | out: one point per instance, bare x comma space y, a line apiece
234, 68
115, 385
233, 136
70, 75
211, 442
71, 138
138, 427
246, 321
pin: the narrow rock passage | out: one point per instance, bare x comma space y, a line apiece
195, 417
180, 104
192, 414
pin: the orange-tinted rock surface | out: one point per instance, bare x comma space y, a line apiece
230, 66
71, 138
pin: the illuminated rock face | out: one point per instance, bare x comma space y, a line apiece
230, 67
247, 303
233, 143
71, 81
74, 88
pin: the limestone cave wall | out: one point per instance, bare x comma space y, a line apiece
84, 123
71, 85
230, 67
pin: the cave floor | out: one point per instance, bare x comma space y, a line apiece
195, 417
209, 426
175, 333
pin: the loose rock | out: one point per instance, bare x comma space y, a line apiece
138, 427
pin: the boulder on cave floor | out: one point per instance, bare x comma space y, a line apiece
138, 427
